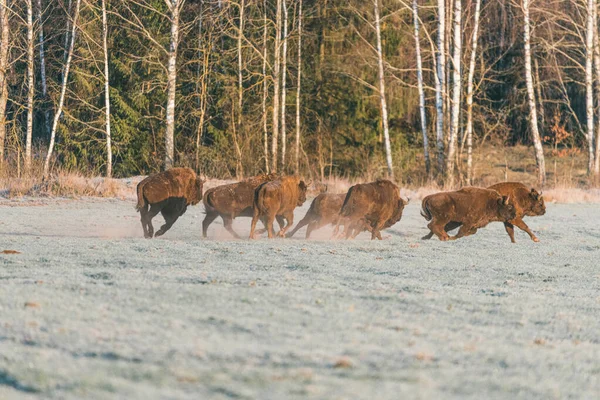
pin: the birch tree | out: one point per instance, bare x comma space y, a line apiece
106, 91
43, 65
456, 83
440, 84
537, 142
276, 94
297, 149
589, 81
471, 75
420, 86
597, 66
384, 115
240, 65
283, 85
174, 7
265, 89
63, 90
30, 85
4, 45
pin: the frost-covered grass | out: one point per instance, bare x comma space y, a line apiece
90, 309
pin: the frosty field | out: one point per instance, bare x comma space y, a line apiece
90, 309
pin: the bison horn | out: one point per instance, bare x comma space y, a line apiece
406, 201
506, 200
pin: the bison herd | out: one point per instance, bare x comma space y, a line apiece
368, 207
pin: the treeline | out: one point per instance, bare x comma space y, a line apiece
318, 87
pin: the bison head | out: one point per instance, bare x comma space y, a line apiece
197, 198
537, 206
397, 215
302, 187
506, 210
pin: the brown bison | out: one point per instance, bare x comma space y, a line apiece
527, 202
471, 208
231, 201
371, 206
324, 209
168, 192
277, 199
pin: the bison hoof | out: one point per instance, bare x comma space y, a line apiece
536, 239
159, 233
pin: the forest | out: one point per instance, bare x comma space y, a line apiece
351, 88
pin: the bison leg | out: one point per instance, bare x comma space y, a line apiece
465, 230
153, 212
289, 218
208, 219
519, 223
438, 230
255, 216
228, 224
303, 222
170, 217
428, 236
449, 227
143, 217
510, 229
376, 232
269, 224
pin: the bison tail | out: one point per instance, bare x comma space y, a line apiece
425, 212
141, 202
346, 209
259, 200
208, 201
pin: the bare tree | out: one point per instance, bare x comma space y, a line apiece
457, 85
283, 85
597, 66
537, 142
440, 84
63, 90
420, 86
174, 7
384, 115
106, 91
276, 94
589, 81
43, 65
240, 61
469, 133
30, 85
297, 150
4, 45
265, 89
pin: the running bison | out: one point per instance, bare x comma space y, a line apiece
168, 192
527, 202
470, 208
231, 201
277, 199
325, 209
371, 206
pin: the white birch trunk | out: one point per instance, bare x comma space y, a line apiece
384, 115
174, 6
63, 90
4, 45
239, 53
30, 85
43, 65
470, 93
106, 91
537, 141
440, 84
265, 90
421, 90
297, 149
456, 81
67, 32
589, 82
276, 94
283, 86
597, 66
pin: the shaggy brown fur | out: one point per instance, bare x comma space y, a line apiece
277, 199
527, 202
324, 209
168, 192
231, 201
471, 207
370, 206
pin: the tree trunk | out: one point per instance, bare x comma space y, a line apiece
597, 65
276, 94
589, 81
240, 66
174, 6
106, 91
63, 90
537, 142
283, 85
30, 85
43, 66
4, 44
421, 91
297, 150
440, 85
265, 90
456, 80
470, 94
384, 115
67, 31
